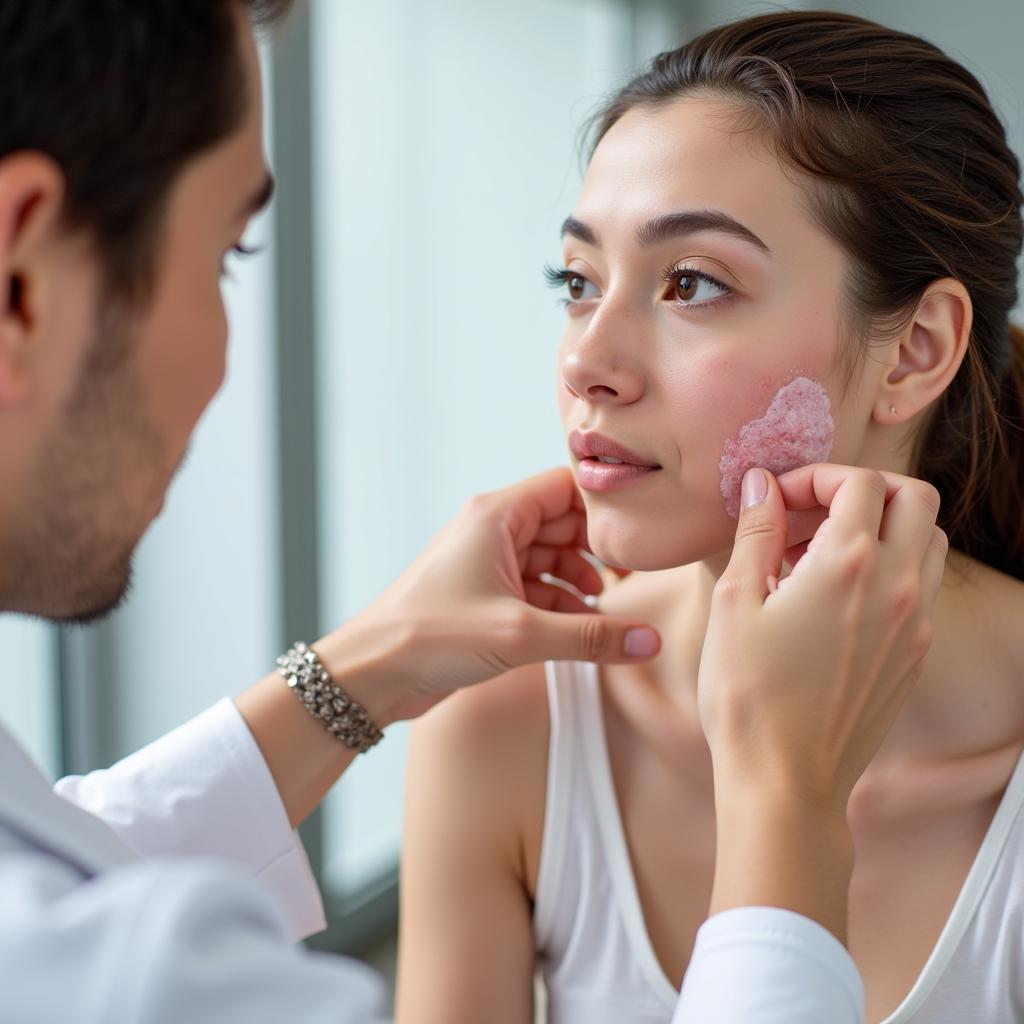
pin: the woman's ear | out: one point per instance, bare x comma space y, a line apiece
31, 200
931, 349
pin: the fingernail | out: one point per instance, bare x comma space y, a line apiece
640, 642
755, 487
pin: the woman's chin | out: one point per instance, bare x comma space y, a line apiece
645, 545
648, 554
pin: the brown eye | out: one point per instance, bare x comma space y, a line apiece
694, 288
686, 286
576, 286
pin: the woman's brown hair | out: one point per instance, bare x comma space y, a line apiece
914, 178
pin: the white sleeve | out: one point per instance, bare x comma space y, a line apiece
762, 965
204, 789
163, 942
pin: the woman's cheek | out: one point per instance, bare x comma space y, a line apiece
796, 428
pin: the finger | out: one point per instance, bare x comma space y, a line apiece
527, 506
565, 563
588, 637
794, 553
761, 533
854, 496
550, 597
536, 560
816, 485
909, 520
568, 529
803, 524
933, 568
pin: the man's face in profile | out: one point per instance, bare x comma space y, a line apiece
110, 436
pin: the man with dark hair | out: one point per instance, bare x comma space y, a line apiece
131, 159
172, 886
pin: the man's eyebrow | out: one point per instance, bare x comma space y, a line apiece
669, 226
259, 199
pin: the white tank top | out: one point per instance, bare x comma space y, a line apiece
595, 956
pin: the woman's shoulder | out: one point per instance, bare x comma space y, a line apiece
489, 745
504, 717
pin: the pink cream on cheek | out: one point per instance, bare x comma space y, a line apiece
797, 430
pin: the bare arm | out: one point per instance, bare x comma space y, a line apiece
304, 759
782, 851
467, 950
471, 607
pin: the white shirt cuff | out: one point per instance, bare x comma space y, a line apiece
205, 790
764, 965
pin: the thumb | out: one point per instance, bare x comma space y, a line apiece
760, 535
565, 636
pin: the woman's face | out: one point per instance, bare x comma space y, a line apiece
697, 286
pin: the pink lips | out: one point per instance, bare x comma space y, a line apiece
593, 474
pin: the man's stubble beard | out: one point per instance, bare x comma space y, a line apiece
92, 493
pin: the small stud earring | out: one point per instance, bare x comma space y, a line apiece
892, 409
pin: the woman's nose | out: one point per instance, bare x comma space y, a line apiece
597, 372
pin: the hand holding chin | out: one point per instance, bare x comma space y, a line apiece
479, 602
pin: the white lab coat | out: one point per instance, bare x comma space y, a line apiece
173, 892
169, 889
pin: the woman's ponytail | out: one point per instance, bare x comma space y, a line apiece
1005, 547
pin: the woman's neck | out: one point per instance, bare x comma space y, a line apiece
966, 700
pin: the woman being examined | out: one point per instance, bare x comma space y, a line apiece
796, 243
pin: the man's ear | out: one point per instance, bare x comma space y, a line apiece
31, 202
931, 349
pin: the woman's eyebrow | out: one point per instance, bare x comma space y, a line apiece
577, 229
259, 199
671, 225
691, 221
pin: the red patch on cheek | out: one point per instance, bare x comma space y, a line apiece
796, 430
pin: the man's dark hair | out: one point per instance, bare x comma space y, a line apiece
121, 94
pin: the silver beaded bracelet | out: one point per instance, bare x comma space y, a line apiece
311, 683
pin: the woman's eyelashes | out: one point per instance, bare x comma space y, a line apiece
241, 250
573, 283
688, 286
